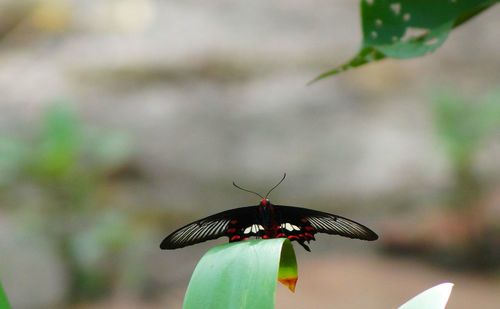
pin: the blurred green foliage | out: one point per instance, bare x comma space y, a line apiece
70, 163
463, 124
4, 302
464, 127
64, 150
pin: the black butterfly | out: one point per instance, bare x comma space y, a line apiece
266, 221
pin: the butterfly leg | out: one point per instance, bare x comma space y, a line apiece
302, 243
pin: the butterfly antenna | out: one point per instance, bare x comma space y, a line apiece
234, 184
284, 175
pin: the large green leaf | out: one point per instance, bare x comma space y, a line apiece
4, 302
433, 298
408, 28
242, 275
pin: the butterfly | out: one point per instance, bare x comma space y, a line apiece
267, 221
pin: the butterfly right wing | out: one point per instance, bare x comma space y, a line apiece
230, 223
314, 221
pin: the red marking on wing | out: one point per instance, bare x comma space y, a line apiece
235, 238
308, 235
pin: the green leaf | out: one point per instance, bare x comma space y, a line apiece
408, 28
433, 298
242, 275
4, 302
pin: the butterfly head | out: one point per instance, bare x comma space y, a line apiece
264, 202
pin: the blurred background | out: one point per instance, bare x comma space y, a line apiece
121, 120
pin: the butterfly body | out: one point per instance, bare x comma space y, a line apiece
267, 221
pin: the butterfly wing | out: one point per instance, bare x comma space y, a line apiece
311, 221
295, 223
232, 223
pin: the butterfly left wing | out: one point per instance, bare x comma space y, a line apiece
232, 223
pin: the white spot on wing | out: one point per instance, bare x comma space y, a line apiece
290, 227
254, 228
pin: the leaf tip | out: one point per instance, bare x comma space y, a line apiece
289, 282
